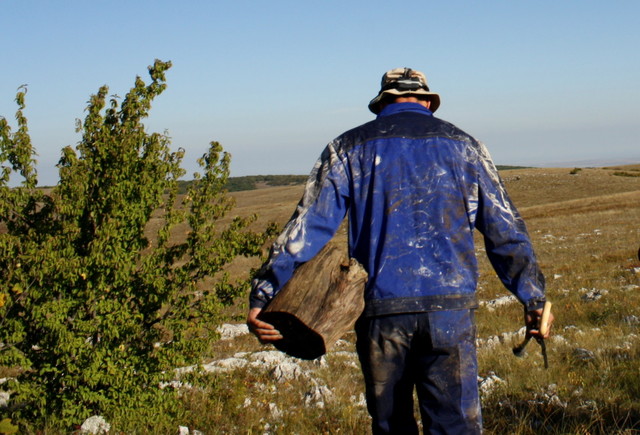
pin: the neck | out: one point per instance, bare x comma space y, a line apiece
424, 103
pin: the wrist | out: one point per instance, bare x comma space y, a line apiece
535, 304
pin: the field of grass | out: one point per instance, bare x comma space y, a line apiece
585, 225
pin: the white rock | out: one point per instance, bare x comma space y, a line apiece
341, 343
489, 384
359, 401
583, 354
225, 365
270, 357
183, 370
229, 331
345, 354
287, 371
593, 294
321, 361
95, 425
555, 400
4, 395
319, 394
559, 340
183, 430
275, 411
4, 398
499, 302
488, 343
590, 405
550, 397
505, 337
175, 384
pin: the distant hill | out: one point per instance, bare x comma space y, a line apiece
507, 167
252, 182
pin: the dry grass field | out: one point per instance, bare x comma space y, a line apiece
585, 225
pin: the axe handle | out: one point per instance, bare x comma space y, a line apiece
543, 346
544, 320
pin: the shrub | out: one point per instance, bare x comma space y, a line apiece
626, 174
94, 309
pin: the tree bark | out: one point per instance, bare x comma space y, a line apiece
319, 304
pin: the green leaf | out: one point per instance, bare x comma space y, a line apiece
7, 428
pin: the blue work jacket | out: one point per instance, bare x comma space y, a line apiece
414, 187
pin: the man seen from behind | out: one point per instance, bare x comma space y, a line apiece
414, 188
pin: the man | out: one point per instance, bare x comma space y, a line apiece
415, 188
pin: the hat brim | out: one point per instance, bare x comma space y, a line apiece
374, 105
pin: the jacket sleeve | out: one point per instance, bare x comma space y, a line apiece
317, 217
507, 242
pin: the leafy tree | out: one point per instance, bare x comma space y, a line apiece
98, 306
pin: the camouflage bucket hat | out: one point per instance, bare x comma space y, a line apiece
404, 81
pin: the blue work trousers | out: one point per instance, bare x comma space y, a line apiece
431, 351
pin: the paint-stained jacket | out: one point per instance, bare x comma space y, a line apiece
415, 188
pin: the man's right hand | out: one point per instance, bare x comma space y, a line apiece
265, 332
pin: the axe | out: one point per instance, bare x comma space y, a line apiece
543, 329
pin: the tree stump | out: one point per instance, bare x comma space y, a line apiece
319, 304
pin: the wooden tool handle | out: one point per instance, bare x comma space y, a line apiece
544, 321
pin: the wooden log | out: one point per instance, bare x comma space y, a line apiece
319, 304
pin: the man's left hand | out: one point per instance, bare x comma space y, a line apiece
532, 321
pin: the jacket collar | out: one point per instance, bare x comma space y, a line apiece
394, 108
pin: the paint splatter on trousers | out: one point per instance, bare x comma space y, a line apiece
433, 352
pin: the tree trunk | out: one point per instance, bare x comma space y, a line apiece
319, 304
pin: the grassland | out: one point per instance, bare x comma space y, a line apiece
585, 225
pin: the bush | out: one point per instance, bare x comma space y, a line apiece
626, 174
95, 310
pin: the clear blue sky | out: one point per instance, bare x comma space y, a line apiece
539, 82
